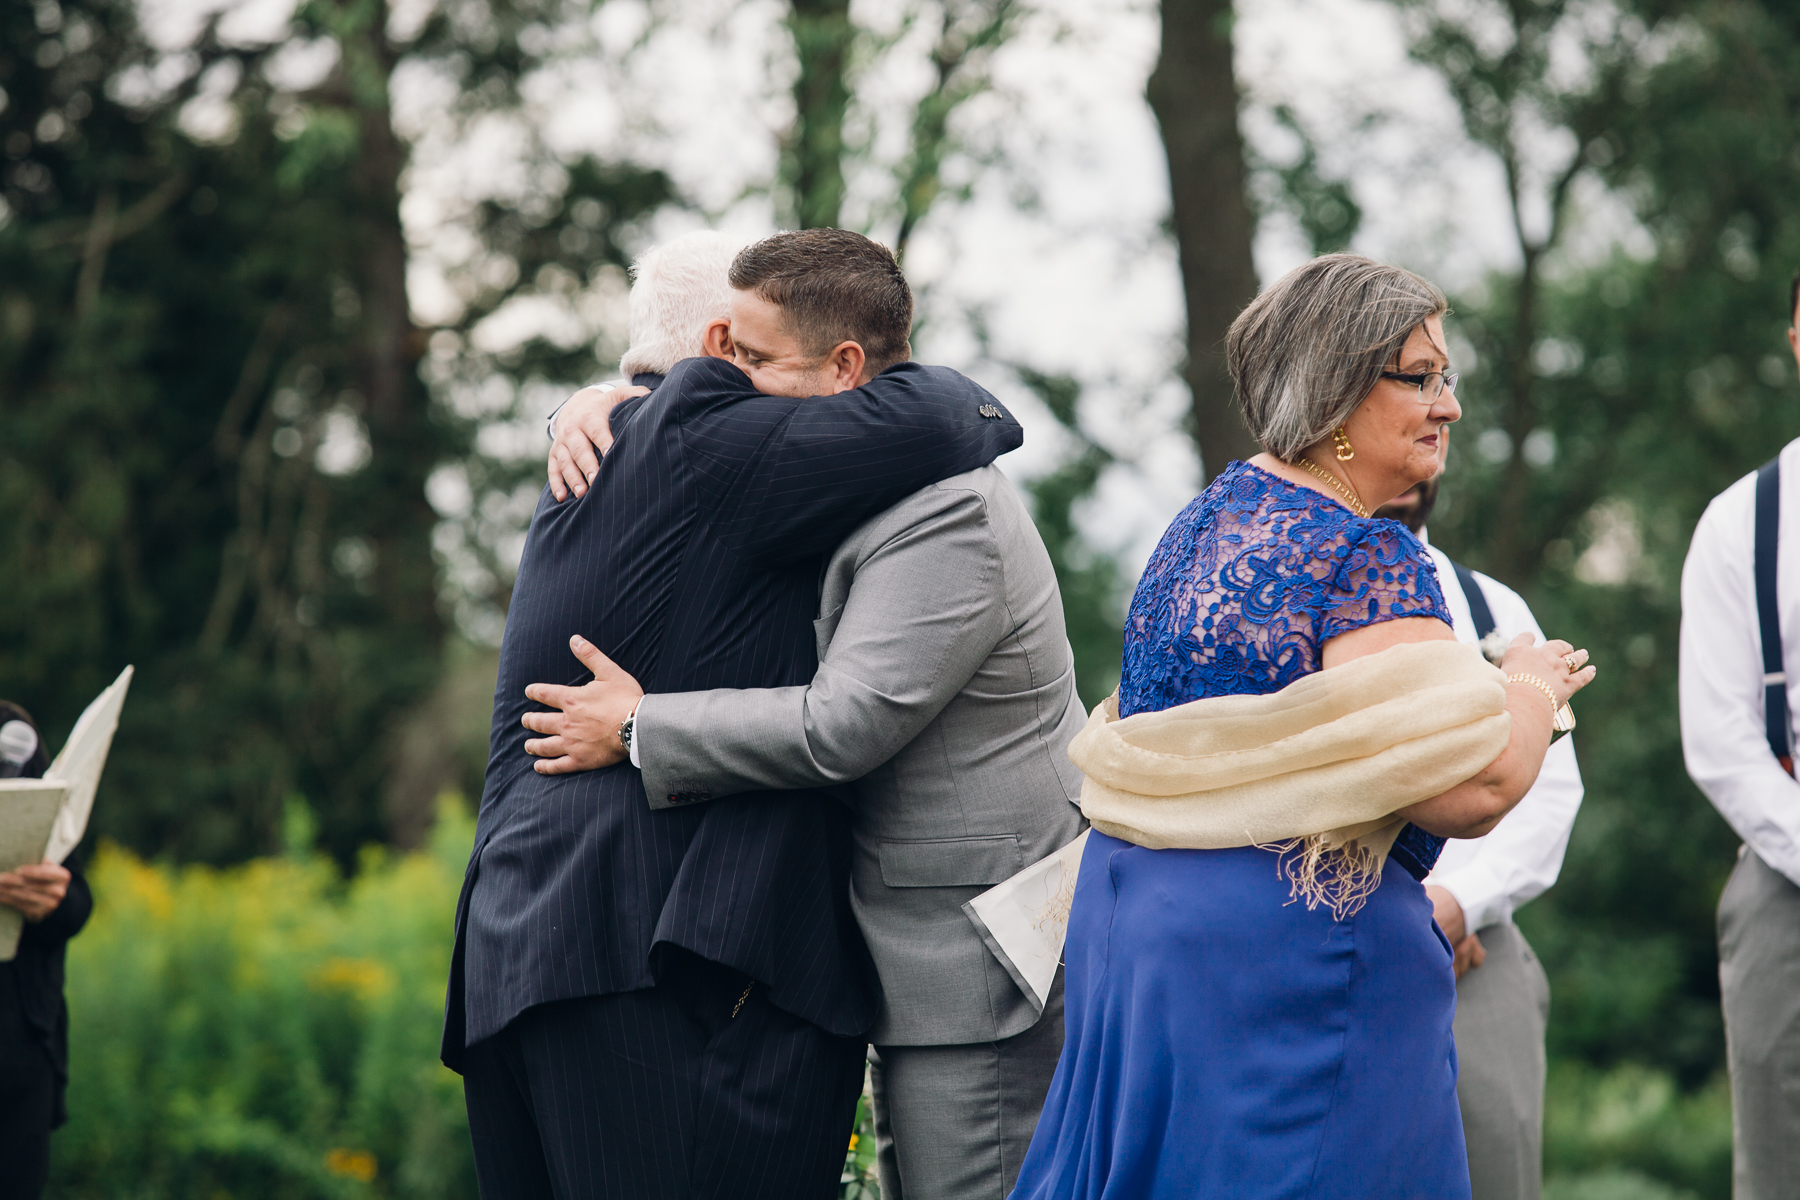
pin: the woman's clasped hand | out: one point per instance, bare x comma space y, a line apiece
1561, 667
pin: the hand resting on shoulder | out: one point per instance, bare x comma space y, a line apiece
583, 436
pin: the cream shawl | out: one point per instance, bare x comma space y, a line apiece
1316, 770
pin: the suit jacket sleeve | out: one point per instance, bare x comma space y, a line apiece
923, 613
794, 477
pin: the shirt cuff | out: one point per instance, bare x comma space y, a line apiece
1483, 897
550, 421
636, 737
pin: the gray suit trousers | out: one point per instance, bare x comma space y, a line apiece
954, 1122
1502, 1008
1759, 978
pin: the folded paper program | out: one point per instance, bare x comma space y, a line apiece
45, 818
1025, 920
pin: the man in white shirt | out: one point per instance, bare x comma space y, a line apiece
1502, 996
1734, 753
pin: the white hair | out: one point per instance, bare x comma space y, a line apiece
677, 290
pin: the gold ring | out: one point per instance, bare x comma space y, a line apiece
1571, 662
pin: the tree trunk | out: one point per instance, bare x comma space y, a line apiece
1510, 532
1195, 99
814, 167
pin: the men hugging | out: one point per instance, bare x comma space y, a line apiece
689, 914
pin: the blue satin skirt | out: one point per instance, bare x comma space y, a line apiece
1225, 1043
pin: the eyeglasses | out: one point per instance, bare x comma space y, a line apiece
1431, 385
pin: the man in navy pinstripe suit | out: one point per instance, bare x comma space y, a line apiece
672, 1003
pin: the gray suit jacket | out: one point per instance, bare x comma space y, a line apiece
946, 689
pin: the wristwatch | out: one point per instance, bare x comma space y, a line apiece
626, 729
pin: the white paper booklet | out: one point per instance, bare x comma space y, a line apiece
1025, 920
45, 818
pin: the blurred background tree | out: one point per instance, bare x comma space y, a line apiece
1613, 394
1194, 93
218, 436
238, 449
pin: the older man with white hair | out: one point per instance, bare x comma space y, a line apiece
946, 693
679, 307
668, 1003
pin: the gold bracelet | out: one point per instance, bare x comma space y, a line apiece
1562, 717
1540, 685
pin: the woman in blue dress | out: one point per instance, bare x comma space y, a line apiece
1222, 1040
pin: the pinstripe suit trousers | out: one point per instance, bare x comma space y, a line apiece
695, 1089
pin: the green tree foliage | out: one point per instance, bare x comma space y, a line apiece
202, 393
1324, 207
813, 158
216, 437
1607, 399
1091, 583
968, 33
1655, 381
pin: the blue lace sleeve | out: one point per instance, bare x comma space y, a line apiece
1387, 574
1382, 573
1250, 582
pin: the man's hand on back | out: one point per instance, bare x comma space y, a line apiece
584, 735
583, 436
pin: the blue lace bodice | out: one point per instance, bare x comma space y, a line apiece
1247, 585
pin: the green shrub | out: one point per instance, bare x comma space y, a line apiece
269, 1030
1629, 1133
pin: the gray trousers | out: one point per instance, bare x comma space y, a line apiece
1502, 1007
953, 1122
1759, 980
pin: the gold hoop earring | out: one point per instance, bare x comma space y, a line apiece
1345, 451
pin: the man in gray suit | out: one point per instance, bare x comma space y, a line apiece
946, 690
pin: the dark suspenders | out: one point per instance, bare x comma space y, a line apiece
1479, 612
1776, 725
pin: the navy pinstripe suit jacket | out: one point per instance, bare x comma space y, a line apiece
694, 562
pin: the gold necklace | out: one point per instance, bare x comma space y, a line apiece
1350, 497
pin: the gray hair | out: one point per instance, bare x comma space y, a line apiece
677, 290
1306, 352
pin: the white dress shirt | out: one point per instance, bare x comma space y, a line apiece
1494, 875
1722, 735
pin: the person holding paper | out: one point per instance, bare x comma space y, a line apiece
34, 1020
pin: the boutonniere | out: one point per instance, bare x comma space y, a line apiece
1493, 647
